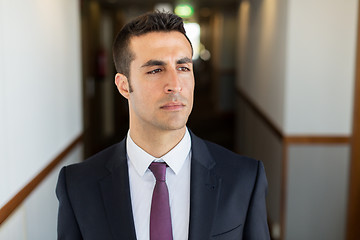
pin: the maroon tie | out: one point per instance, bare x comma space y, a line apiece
160, 218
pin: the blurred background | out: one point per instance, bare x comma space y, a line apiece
275, 79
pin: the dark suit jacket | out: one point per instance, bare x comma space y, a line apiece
227, 196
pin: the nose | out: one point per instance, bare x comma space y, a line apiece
173, 83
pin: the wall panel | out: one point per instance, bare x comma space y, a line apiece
40, 81
320, 66
36, 217
317, 192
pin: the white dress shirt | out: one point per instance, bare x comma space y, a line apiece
142, 182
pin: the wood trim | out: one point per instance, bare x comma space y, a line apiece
353, 211
10, 206
317, 139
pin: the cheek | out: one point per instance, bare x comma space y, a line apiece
144, 95
189, 86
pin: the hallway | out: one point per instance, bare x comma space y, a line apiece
276, 82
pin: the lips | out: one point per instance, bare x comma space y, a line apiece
173, 106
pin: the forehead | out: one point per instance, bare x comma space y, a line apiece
160, 45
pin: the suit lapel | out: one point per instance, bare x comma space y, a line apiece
204, 191
116, 195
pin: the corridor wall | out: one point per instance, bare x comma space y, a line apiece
40, 102
296, 66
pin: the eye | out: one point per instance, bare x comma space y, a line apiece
154, 71
184, 69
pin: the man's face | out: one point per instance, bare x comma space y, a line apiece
162, 80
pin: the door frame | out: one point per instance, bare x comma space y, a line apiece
353, 214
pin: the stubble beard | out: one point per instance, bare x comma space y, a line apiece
169, 121
173, 120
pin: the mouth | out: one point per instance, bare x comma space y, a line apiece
173, 106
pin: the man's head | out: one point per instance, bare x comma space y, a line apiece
149, 22
153, 54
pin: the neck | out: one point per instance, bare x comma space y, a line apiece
157, 142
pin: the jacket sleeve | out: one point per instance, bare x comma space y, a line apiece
256, 226
68, 228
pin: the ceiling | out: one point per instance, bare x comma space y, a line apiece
197, 4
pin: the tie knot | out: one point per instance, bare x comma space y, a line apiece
159, 170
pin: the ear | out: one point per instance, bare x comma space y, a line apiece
122, 85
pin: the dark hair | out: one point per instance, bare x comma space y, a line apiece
149, 22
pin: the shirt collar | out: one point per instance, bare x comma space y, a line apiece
175, 158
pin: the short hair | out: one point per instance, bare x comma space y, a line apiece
149, 22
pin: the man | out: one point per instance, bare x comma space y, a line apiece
207, 192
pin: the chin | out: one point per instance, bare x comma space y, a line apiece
173, 126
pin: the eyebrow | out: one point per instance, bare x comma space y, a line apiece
153, 63
184, 60
162, 63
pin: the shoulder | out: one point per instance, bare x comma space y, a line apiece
226, 159
237, 171
221, 153
97, 165
225, 163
